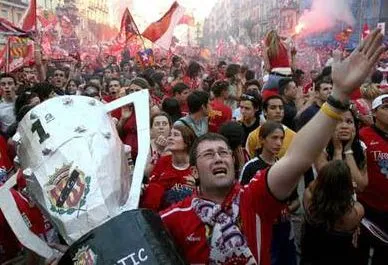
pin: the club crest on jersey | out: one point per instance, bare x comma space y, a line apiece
67, 190
85, 256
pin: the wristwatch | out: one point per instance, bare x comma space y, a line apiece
341, 105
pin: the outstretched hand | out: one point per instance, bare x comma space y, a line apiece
350, 73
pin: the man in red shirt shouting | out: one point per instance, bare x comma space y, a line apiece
225, 223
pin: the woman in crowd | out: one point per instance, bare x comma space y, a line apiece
332, 217
277, 61
72, 87
193, 75
347, 146
282, 248
160, 129
171, 180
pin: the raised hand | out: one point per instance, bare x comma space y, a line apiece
161, 141
350, 73
348, 145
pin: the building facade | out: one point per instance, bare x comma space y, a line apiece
248, 21
13, 10
48, 4
224, 22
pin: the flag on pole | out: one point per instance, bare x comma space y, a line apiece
161, 31
128, 27
18, 52
28, 22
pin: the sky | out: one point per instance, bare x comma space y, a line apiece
148, 11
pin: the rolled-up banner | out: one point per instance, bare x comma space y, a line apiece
132, 238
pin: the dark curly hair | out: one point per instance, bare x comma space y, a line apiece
357, 149
332, 194
193, 69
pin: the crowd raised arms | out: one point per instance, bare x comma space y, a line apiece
243, 167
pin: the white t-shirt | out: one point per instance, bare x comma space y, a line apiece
7, 115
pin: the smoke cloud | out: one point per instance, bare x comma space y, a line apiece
324, 15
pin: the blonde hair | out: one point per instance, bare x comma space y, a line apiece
370, 91
272, 41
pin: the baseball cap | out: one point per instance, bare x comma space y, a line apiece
380, 100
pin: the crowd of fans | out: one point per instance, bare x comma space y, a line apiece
236, 144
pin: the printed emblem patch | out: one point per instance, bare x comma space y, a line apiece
67, 190
85, 256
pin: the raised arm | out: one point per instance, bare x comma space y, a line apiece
314, 136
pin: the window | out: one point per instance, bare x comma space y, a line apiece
4, 13
19, 16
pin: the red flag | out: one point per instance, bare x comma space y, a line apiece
3, 58
128, 26
47, 20
161, 31
21, 52
28, 22
188, 20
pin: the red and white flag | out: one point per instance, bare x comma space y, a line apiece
161, 31
128, 27
28, 22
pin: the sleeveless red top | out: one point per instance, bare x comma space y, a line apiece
281, 60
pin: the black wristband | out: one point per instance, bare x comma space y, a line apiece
344, 106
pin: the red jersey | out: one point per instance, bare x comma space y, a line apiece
376, 193
5, 161
167, 185
307, 88
184, 108
115, 113
258, 210
130, 134
219, 114
220, 76
356, 94
281, 60
193, 84
9, 245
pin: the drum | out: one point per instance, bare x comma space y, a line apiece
133, 237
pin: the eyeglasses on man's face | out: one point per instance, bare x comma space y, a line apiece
210, 154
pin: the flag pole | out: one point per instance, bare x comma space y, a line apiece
142, 40
7, 55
